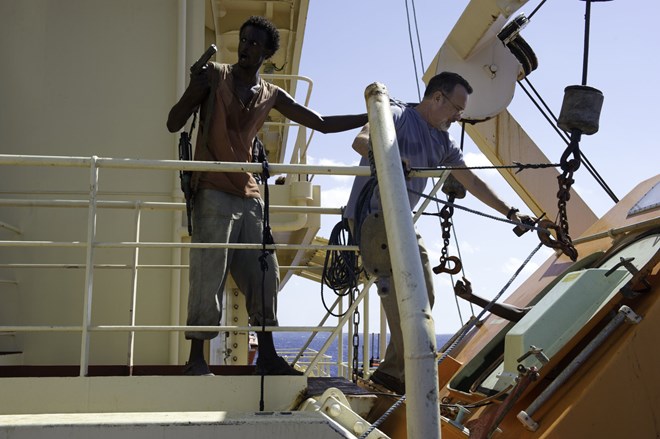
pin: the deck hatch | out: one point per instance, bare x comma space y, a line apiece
556, 318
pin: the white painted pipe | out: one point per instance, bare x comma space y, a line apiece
89, 270
422, 410
162, 328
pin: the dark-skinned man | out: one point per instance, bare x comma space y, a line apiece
227, 206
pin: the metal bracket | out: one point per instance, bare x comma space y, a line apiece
631, 316
537, 353
334, 404
626, 263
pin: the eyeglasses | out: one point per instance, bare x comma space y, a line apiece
458, 109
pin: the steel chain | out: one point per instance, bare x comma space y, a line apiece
565, 181
446, 214
356, 336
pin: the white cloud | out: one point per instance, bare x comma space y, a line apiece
335, 197
330, 162
474, 159
323, 161
442, 283
434, 250
512, 264
468, 249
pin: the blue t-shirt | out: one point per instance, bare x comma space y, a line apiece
421, 145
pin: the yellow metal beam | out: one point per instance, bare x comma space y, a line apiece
501, 138
504, 142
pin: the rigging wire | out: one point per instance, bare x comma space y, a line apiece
453, 228
516, 165
419, 48
535, 9
266, 239
460, 257
463, 333
458, 249
437, 207
552, 120
412, 51
419, 43
590, 168
585, 57
476, 212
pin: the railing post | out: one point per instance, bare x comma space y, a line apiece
422, 410
89, 266
134, 282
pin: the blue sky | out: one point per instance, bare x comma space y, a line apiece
350, 44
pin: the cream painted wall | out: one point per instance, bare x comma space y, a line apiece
83, 78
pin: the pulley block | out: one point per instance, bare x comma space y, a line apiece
510, 36
512, 29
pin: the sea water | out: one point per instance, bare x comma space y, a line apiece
287, 343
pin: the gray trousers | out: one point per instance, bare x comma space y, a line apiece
393, 363
219, 217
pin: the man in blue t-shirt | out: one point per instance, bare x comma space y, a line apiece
424, 142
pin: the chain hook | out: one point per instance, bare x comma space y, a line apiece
444, 267
573, 149
560, 241
449, 264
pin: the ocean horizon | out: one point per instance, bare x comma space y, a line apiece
287, 341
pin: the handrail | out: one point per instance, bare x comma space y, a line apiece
93, 204
298, 155
139, 266
152, 205
187, 165
176, 245
161, 328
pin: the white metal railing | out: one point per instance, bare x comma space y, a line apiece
91, 244
313, 362
299, 153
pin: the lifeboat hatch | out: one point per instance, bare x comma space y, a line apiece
556, 318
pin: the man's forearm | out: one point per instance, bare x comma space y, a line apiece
180, 113
336, 124
481, 190
197, 90
361, 142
